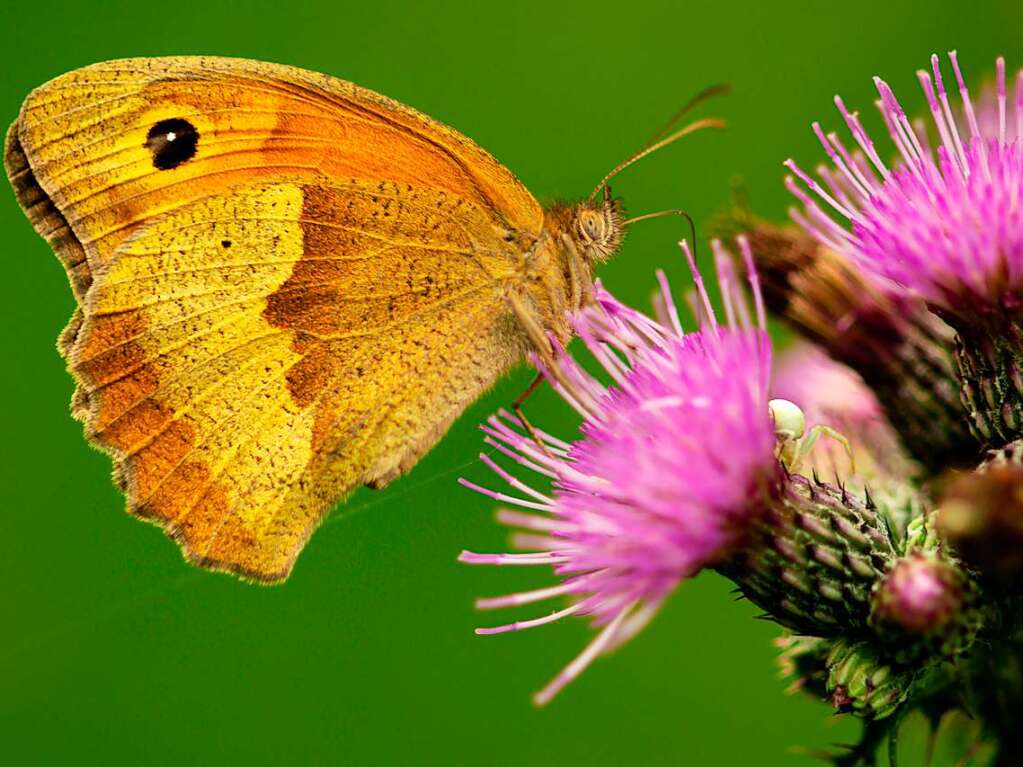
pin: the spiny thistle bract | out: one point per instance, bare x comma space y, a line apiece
874, 507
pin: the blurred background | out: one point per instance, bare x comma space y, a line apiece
117, 652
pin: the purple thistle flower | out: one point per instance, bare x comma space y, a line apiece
944, 222
675, 462
991, 115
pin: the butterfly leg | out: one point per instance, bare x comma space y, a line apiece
516, 408
545, 351
538, 338
573, 271
582, 289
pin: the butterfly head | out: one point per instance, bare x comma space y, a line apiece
597, 228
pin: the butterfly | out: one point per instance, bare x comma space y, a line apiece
288, 286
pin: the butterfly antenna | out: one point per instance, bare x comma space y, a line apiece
662, 214
669, 139
705, 95
665, 136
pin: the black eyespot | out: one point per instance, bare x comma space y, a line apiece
225, 243
172, 142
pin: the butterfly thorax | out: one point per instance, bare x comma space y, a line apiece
559, 265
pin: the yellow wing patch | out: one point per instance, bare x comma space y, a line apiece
185, 381
251, 358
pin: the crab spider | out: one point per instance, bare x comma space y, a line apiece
794, 443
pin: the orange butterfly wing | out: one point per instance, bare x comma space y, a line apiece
296, 298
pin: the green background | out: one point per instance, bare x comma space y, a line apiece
114, 651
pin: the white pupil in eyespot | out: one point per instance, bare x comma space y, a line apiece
171, 135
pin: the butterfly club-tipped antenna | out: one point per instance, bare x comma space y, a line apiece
667, 134
662, 214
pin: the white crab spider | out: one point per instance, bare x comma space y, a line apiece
794, 444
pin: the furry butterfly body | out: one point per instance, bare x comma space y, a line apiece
288, 286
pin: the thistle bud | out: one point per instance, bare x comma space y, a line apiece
919, 595
863, 682
814, 561
928, 605
850, 675
981, 515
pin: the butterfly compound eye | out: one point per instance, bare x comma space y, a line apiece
590, 225
172, 142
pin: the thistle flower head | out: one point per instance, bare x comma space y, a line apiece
674, 462
944, 222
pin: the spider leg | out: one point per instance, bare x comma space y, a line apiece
816, 433
801, 448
